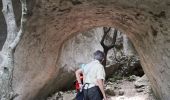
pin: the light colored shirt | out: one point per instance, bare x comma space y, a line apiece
93, 71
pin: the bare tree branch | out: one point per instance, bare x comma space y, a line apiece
106, 31
105, 47
10, 22
22, 27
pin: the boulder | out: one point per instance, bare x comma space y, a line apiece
141, 82
121, 92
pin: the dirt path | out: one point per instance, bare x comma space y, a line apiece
125, 90
119, 90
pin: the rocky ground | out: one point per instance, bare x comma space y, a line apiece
129, 88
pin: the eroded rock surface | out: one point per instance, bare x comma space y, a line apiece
146, 22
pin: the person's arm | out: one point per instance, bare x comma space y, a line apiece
101, 86
78, 72
100, 80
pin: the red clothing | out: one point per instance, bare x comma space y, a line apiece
77, 84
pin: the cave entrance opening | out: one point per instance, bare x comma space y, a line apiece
122, 63
121, 57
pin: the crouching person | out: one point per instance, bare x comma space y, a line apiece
93, 78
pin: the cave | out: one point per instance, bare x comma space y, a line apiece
51, 23
121, 56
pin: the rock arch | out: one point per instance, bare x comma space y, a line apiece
52, 22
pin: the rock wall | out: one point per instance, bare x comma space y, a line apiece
146, 22
128, 47
80, 48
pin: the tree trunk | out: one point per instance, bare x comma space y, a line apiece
7, 53
10, 22
106, 48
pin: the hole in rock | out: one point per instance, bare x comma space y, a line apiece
122, 65
121, 57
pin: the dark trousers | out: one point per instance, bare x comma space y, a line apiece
80, 96
93, 93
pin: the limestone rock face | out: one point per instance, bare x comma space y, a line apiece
38, 70
80, 48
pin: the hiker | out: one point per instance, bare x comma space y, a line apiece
79, 95
93, 78
77, 85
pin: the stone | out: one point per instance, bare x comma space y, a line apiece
110, 92
139, 90
117, 87
133, 78
121, 92
141, 82
68, 96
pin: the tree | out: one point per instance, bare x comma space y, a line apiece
106, 48
14, 35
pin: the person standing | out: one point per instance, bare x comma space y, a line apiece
79, 95
93, 78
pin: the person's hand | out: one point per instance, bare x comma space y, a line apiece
105, 98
